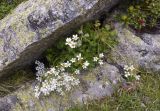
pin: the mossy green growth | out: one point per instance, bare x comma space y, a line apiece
11, 83
145, 96
6, 6
94, 40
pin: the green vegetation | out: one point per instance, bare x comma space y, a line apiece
143, 14
138, 96
93, 40
6, 6
9, 84
72, 55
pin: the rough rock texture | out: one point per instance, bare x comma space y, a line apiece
134, 50
35, 24
141, 51
95, 84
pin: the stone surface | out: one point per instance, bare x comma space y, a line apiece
35, 24
139, 50
95, 84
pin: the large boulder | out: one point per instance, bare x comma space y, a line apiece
35, 24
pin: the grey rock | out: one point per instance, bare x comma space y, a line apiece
141, 51
35, 24
7, 102
92, 88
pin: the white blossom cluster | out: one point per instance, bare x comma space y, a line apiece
57, 79
73, 42
99, 59
40, 70
60, 84
129, 71
54, 80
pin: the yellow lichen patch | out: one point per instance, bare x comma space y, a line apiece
131, 37
52, 101
91, 76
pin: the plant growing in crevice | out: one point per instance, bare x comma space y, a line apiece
71, 56
131, 73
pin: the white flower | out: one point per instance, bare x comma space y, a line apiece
95, 59
85, 65
67, 64
80, 32
126, 67
79, 57
131, 68
61, 69
100, 62
40, 68
75, 37
68, 41
77, 71
76, 82
126, 75
73, 45
79, 43
101, 55
73, 60
37, 92
86, 35
137, 77
39, 78
52, 70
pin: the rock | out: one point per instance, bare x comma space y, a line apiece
35, 24
141, 51
95, 84
7, 102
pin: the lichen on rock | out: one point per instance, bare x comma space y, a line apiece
34, 25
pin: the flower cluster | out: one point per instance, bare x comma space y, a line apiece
40, 70
99, 59
54, 80
62, 76
130, 72
73, 42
